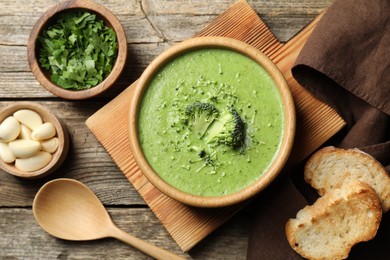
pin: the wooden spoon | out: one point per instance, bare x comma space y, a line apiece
68, 209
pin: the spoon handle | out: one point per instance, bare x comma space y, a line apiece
147, 248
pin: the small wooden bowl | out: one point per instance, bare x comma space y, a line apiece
289, 122
58, 156
43, 76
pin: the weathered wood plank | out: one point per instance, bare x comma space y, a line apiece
14, 30
148, 24
14, 58
285, 18
25, 231
157, 21
17, 81
22, 238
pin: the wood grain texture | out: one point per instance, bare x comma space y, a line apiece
140, 222
189, 225
151, 27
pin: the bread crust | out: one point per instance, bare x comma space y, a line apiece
330, 167
335, 222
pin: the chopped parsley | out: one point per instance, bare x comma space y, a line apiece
78, 50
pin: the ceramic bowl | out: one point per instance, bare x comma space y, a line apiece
289, 121
58, 156
43, 76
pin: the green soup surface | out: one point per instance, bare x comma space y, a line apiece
225, 79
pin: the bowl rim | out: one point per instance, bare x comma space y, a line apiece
289, 129
104, 14
58, 156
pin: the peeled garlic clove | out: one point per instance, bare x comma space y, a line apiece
25, 132
24, 148
29, 118
9, 129
50, 145
43, 132
38, 161
6, 154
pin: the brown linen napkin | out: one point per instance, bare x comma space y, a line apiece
346, 64
280, 201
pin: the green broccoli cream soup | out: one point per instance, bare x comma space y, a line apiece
211, 122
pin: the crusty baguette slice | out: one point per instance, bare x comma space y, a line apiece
335, 222
330, 167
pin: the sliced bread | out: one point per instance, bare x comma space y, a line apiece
330, 167
335, 222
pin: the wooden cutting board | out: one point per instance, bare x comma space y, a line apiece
316, 123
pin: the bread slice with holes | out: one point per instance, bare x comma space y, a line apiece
335, 222
330, 167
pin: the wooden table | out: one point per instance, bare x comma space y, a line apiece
151, 27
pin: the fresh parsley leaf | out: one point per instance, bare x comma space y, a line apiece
78, 50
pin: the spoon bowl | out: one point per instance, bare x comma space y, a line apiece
56, 211
68, 209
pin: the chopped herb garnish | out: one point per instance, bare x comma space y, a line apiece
78, 50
